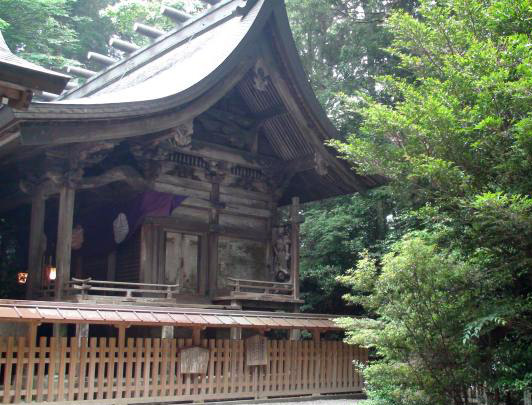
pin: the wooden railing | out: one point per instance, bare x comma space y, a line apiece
148, 370
240, 286
89, 287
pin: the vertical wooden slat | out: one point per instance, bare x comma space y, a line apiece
52, 358
40, 368
173, 364
111, 366
73, 374
147, 367
240, 373
129, 368
324, 366
210, 367
312, 365
218, 372
138, 367
83, 359
233, 347
121, 353
21, 348
296, 364
180, 386
8, 370
350, 374
30, 370
165, 356
155, 382
101, 367
226, 365
93, 347
189, 390
62, 368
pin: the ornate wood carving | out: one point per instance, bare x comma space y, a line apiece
281, 252
261, 76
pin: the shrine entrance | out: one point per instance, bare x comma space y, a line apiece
182, 261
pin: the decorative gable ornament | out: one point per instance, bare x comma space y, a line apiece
120, 228
256, 351
183, 134
194, 360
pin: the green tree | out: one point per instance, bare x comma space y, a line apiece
424, 298
125, 13
54, 33
334, 234
455, 144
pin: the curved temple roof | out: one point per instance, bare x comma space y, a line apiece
185, 72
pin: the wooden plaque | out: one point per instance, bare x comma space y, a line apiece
256, 351
194, 360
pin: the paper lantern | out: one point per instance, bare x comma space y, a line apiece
120, 228
22, 278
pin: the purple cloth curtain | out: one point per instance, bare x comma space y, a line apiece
99, 234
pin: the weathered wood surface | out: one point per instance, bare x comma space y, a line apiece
256, 351
107, 371
194, 360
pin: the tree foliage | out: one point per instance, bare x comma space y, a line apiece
454, 142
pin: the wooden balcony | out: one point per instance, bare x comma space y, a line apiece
100, 290
256, 290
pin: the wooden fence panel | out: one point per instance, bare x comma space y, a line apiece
148, 370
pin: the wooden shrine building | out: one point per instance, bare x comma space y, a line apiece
164, 221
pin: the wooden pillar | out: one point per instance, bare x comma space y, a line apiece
121, 335
111, 266
294, 245
36, 245
196, 336
64, 239
82, 331
213, 236
236, 334
316, 335
167, 332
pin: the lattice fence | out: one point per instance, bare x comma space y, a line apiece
63, 370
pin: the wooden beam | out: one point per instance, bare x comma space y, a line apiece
174, 14
64, 239
124, 46
196, 336
120, 173
36, 248
103, 59
148, 31
80, 71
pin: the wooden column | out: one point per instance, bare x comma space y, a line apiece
196, 336
64, 239
111, 266
294, 244
213, 236
37, 240
82, 331
236, 334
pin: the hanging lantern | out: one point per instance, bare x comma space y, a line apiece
52, 273
22, 278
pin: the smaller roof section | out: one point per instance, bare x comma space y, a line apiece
78, 313
17, 74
